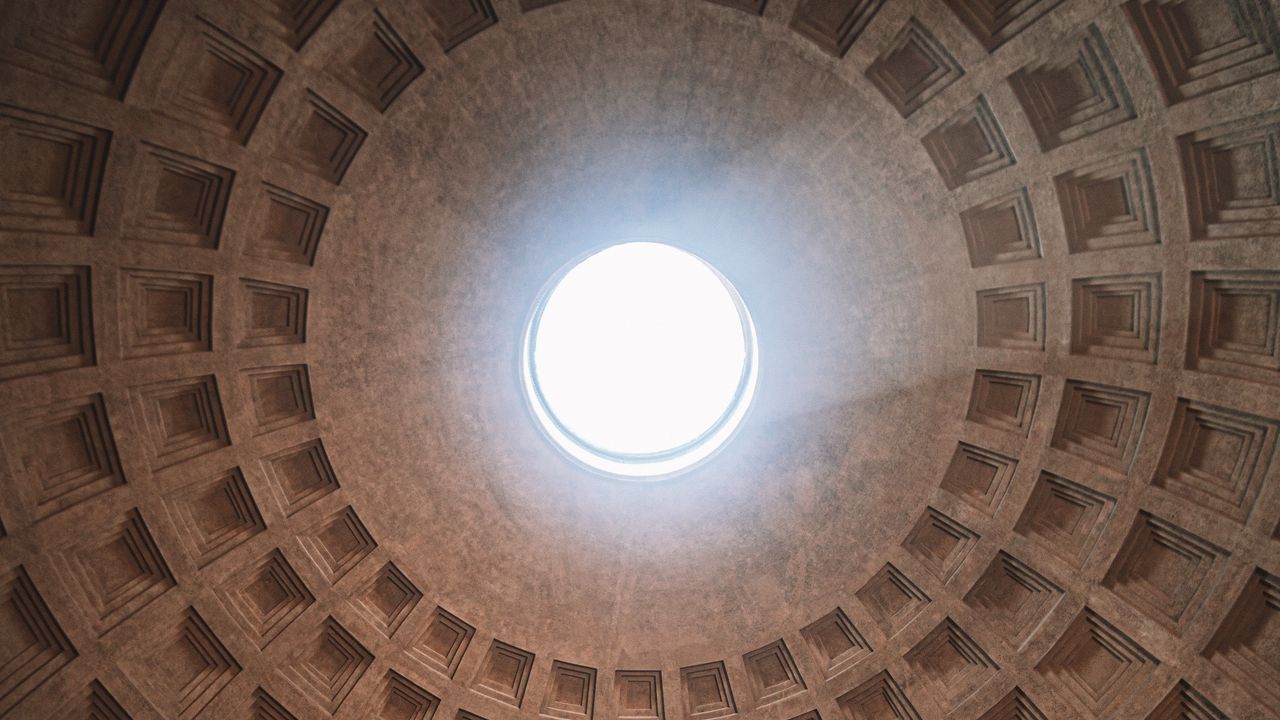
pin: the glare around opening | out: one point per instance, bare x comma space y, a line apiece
640, 360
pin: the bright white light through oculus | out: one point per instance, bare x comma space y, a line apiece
640, 360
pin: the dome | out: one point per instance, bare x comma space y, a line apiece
267, 268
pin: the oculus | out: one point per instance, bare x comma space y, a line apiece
639, 360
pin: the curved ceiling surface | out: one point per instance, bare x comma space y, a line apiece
1013, 268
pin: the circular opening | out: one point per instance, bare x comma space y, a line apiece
639, 360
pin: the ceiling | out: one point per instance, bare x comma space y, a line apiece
1014, 266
